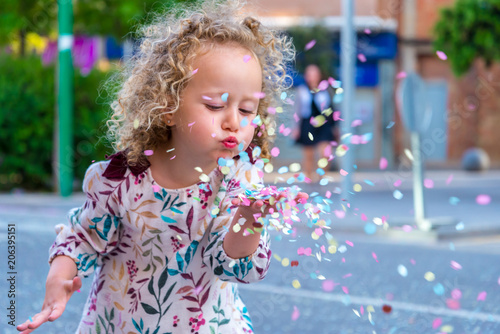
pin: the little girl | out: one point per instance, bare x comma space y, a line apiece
163, 229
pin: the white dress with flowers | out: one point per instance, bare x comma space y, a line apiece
157, 255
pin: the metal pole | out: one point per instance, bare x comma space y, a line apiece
348, 74
418, 183
65, 96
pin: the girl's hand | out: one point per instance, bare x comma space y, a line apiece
57, 293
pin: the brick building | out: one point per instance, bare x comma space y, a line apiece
465, 112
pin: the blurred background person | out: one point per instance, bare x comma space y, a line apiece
314, 130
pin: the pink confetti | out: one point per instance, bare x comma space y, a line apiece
206, 98
428, 183
195, 71
318, 231
339, 213
304, 251
331, 81
401, 75
436, 323
363, 217
349, 243
347, 275
191, 124
336, 116
362, 58
328, 194
213, 135
156, 188
323, 85
323, 249
456, 294
246, 58
441, 55
328, 285
343, 172
481, 296
383, 163
413, 261
271, 110
397, 183
483, 199
172, 158
259, 95
356, 122
148, 152
362, 310
498, 281
449, 179
275, 152
453, 304
310, 44
295, 313
296, 118
368, 31
375, 256
455, 265
345, 289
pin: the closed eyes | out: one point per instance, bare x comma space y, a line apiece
216, 108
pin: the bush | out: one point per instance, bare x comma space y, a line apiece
27, 110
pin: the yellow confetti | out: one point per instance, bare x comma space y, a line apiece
295, 167
314, 236
357, 187
322, 163
327, 112
296, 284
429, 276
409, 154
285, 262
447, 329
341, 151
310, 136
198, 169
277, 257
279, 110
370, 309
339, 90
268, 168
319, 121
225, 170
236, 228
136, 123
332, 249
204, 178
215, 211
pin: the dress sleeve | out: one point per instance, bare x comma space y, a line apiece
92, 230
244, 270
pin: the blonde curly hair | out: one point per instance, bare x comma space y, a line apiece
151, 82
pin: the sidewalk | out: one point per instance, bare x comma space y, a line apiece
451, 199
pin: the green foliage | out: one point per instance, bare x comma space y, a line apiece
27, 107
469, 30
322, 54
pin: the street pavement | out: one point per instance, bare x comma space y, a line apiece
443, 281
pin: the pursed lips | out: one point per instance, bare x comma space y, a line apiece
230, 142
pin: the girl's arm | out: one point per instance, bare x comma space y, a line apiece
60, 285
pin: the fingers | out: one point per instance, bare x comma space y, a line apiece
77, 284
35, 322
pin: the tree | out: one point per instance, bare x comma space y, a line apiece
469, 30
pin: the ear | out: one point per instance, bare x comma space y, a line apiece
168, 118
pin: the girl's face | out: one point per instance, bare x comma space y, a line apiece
218, 105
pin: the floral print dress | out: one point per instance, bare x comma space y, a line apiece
157, 255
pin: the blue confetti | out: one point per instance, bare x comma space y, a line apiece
224, 97
370, 228
439, 289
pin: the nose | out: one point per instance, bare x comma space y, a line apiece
231, 121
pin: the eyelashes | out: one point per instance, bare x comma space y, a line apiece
217, 108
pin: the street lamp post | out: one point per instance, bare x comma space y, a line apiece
65, 97
348, 73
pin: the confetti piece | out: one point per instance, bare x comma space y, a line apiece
343, 172
322, 163
294, 263
374, 256
460, 226
390, 125
454, 200
195, 71
370, 228
368, 31
345, 289
356, 312
409, 154
275, 151
356, 122
397, 183
236, 228
456, 294
224, 97
441, 55
156, 188
447, 329
246, 58
148, 152
172, 158
401, 75
323, 85
428, 183
259, 95
483, 199
310, 44
397, 194
191, 124
311, 138
453, 304
31, 320
204, 178
383, 163
455, 265
436, 323
244, 122
296, 284
386, 308
136, 123
481, 296
362, 58
357, 187
402, 270
349, 243
283, 96
285, 262
449, 179
429, 276
204, 97
295, 313
438, 289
